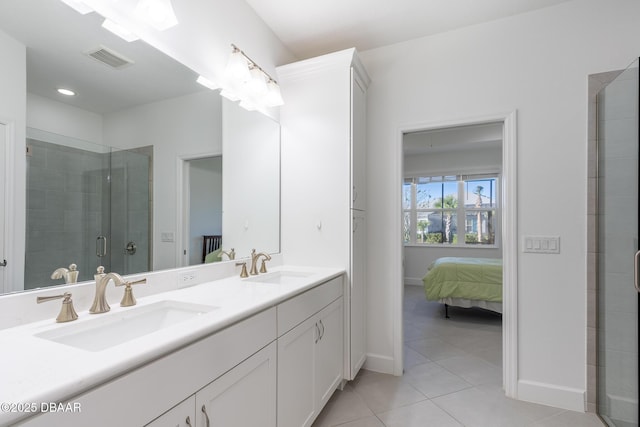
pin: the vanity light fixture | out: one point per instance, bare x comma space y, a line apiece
273, 97
79, 6
66, 92
247, 82
157, 13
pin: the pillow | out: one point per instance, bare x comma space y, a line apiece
213, 256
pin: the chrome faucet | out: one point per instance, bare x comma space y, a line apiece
70, 274
254, 261
100, 304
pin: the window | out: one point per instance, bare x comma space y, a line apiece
434, 206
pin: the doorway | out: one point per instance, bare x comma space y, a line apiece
507, 225
201, 209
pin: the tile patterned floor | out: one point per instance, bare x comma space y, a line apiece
453, 377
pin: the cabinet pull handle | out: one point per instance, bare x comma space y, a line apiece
206, 417
322, 333
636, 258
188, 421
317, 333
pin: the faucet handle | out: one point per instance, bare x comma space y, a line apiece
67, 312
128, 299
263, 266
243, 273
72, 274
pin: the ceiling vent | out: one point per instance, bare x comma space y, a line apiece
109, 57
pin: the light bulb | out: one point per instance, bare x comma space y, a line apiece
273, 97
66, 92
237, 70
257, 86
157, 13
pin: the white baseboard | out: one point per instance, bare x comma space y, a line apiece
379, 363
415, 281
552, 395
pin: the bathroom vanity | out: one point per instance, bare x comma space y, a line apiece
266, 350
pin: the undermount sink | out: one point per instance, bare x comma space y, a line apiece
282, 277
113, 329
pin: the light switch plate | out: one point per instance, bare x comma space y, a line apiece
541, 244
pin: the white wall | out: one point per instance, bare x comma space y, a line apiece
205, 201
13, 88
187, 126
63, 119
538, 64
418, 258
251, 185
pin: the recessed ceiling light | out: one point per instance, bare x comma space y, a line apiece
67, 92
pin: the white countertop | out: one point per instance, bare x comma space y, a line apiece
36, 370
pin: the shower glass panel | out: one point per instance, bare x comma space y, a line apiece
617, 243
83, 201
130, 214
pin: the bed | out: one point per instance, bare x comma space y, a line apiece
465, 282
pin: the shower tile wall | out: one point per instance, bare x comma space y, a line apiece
617, 242
130, 206
64, 207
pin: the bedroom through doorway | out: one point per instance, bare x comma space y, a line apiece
452, 258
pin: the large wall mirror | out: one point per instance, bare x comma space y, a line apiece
141, 163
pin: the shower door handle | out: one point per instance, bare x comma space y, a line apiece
636, 258
101, 246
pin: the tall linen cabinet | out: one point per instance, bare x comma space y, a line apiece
323, 192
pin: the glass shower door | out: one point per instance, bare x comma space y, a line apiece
617, 245
129, 213
87, 204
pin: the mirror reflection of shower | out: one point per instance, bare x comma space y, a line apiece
87, 204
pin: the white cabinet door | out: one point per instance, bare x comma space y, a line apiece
244, 396
356, 308
181, 415
358, 143
329, 355
296, 377
310, 366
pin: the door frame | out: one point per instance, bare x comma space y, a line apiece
509, 242
7, 273
183, 202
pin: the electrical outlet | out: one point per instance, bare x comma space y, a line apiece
187, 278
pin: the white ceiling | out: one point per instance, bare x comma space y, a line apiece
310, 28
56, 37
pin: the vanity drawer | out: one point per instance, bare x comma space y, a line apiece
296, 310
